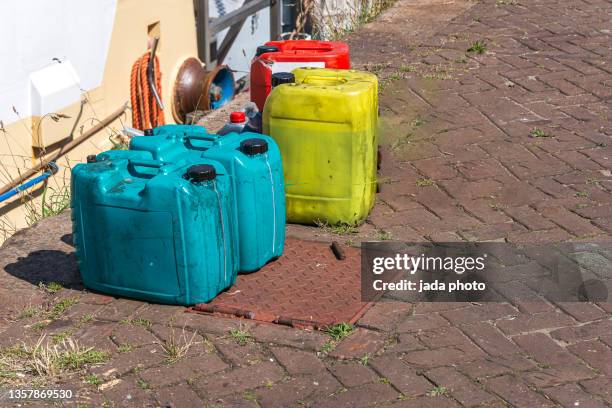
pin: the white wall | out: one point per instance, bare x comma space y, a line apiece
255, 31
33, 32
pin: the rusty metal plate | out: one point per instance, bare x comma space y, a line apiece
306, 287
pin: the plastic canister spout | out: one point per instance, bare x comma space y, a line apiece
201, 172
237, 117
253, 146
262, 49
279, 78
236, 124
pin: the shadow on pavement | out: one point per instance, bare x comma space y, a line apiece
47, 266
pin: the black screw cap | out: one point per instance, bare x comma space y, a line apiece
92, 158
279, 78
148, 132
201, 172
253, 146
262, 49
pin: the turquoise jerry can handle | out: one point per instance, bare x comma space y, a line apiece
151, 164
146, 163
208, 138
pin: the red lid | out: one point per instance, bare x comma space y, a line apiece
237, 117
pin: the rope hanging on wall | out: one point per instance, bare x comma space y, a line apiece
146, 110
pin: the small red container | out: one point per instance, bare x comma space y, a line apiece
285, 56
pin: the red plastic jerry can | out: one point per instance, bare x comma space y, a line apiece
285, 56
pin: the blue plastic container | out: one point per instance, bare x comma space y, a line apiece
154, 231
254, 164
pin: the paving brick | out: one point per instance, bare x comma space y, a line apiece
460, 189
595, 353
385, 315
495, 366
365, 396
598, 211
132, 335
545, 350
120, 309
298, 362
353, 374
600, 386
524, 298
239, 380
570, 221
237, 354
161, 314
485, 210
96, 334
241, 400
185, 369
401, 375
418, 323
479, 313
585, 332
181, 395
490, 339
404, 343
435, 169
443, 356
515, 392
460, 387
582, 311
126, 392
210, 324
360, 343
133, 360
443, 337
297, 391
392, 218
572, 395
539, 237
529, 218
289, 337
529, 323
551, 377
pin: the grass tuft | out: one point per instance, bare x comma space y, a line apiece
478, 47
45, 360
437, 391
340, 331
176, 348
341, 228
425, 182
60, 307
240, 336
537, 132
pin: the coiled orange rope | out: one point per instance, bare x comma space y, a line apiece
146, 114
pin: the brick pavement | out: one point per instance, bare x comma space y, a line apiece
465, 164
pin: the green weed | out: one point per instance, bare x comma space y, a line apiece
478, 47
340, 331
240, 336
437, 391
425, 182
93, 380
537, 132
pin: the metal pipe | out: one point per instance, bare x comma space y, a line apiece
52, 170
65, 149
151, 73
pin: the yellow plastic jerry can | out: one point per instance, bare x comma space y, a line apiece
326, 127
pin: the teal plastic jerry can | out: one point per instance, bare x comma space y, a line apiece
254, 163
154, 231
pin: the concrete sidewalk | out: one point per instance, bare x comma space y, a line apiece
507, 141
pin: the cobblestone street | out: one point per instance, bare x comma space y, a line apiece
496, 125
